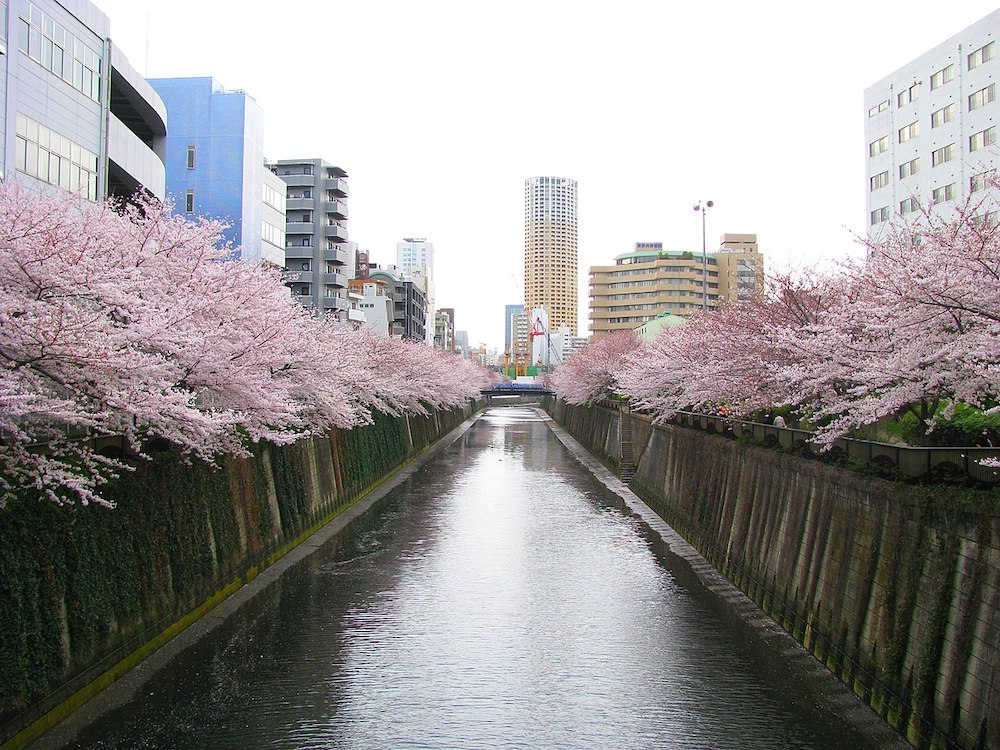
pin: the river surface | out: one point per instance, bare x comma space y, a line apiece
500, 598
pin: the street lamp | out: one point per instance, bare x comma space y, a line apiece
703, 207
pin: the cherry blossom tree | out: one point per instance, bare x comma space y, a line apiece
589, 374
133, 322
731, 357
918, 331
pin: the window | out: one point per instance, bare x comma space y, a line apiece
978, 181
908, 206
942, 77
49, 44
190, 157
982, 139
877, 147
50, 157
943, 154
981, 55
880, 215
943, 115
189, 202
944, 193
981, 97
880, 107
907, 95
879, 181
909, 131
909, 169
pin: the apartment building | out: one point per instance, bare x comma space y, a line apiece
317, 250
550, 249
649, 281
930, 129
77, 115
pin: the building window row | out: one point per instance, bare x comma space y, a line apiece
274, 235
909, 131
980, 56
943, 76
907, 95
943, 154
943, 115
880, 107
274, 198
48, 43
878, 146
982, 139
55, 159
944, 193
978, 181
982, 97
879, 181
910, 168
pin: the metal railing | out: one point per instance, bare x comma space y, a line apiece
910, 462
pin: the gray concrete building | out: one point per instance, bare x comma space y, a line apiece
317, 250
77, 115
410, 315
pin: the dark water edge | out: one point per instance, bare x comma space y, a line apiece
501, 598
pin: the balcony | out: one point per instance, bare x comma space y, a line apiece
337, 209
300, 204
299, 227
339, 255
336, 303
296, 252
337, 279
337, 185
298, 180
334, 232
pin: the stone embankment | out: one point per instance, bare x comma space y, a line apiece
87, 593
894, 586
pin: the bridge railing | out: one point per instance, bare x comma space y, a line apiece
913, 462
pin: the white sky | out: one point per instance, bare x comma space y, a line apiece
439, 110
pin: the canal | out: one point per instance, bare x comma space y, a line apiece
499, 598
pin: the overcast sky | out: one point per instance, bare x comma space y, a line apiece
439, 111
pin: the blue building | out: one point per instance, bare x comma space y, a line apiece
215, 164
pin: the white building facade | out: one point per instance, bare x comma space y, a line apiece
931, 128
415, 259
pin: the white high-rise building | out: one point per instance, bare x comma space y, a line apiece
550, 252
415, 258
931, 128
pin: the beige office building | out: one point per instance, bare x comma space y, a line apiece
550, 255
650, 281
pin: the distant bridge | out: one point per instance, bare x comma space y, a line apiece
514, 392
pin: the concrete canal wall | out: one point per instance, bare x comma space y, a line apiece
86, 592
894, 586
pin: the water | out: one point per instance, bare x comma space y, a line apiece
501, 598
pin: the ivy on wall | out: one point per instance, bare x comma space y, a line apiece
83, 586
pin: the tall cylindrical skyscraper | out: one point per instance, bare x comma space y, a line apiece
550, 263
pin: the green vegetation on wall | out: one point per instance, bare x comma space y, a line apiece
81, 587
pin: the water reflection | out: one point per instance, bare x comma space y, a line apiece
501, 598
